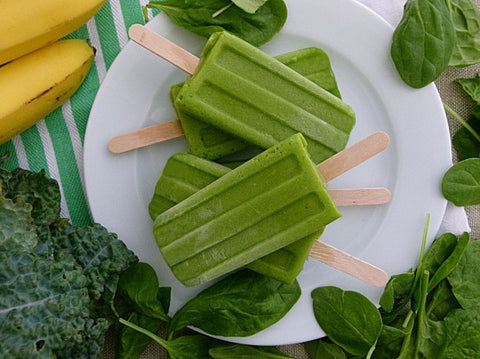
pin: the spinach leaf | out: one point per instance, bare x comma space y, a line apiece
320, 349
471, 87
466, 21
466, 140
348, 318
250, 6
441, 301
184, 347
462, 334
132, 343
465, 143
396, 295
389, 343
423, 42
468, 133
461, 183
138, 285
239, 305
465, 279
449, 264
139, 299
427, 337
237, 351
199, 18
439, 251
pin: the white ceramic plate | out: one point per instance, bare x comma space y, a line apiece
134, 94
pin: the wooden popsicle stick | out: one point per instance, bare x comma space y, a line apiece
360, 196
145, 136
353, 156
349, 264
164, 48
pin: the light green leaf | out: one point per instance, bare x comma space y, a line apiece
250, 6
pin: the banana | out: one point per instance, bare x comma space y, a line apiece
34, 85
27, 25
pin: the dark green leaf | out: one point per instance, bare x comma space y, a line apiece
348, 318
184, 347
42, 193
441, 301
130, 342
16, 225
389, 343
56, 280
465, 279
241, 304
198, 17
99, 253
466, 145
461, 183
164, 296
466, 21
472, 87
423, 41
320, 349
462, 334
189, 346
396, 295
439, 251
43, 304
238, 351
138, 285
427, 336
449, 264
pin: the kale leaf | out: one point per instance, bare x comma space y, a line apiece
57, 281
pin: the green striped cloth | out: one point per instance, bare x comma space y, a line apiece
55, 143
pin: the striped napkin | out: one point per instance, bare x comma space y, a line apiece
55, 143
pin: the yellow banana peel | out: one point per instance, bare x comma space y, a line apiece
26, 26
34, 85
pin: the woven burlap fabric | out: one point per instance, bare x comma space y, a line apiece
451, 94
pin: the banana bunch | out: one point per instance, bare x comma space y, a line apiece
38, 72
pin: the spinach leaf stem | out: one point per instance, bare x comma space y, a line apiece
462, 121
220, 11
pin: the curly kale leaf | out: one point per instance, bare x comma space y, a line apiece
43, 304
35, 188
57, 281
16, 225
99, 253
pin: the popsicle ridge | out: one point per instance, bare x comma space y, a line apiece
246, 246
256, 227
256, 86
236, 206
278, 122
198, 175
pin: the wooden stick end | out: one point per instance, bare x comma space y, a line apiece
135, 31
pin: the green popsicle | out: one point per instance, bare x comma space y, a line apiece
185, 174
267, 203
209, 142
241, 90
